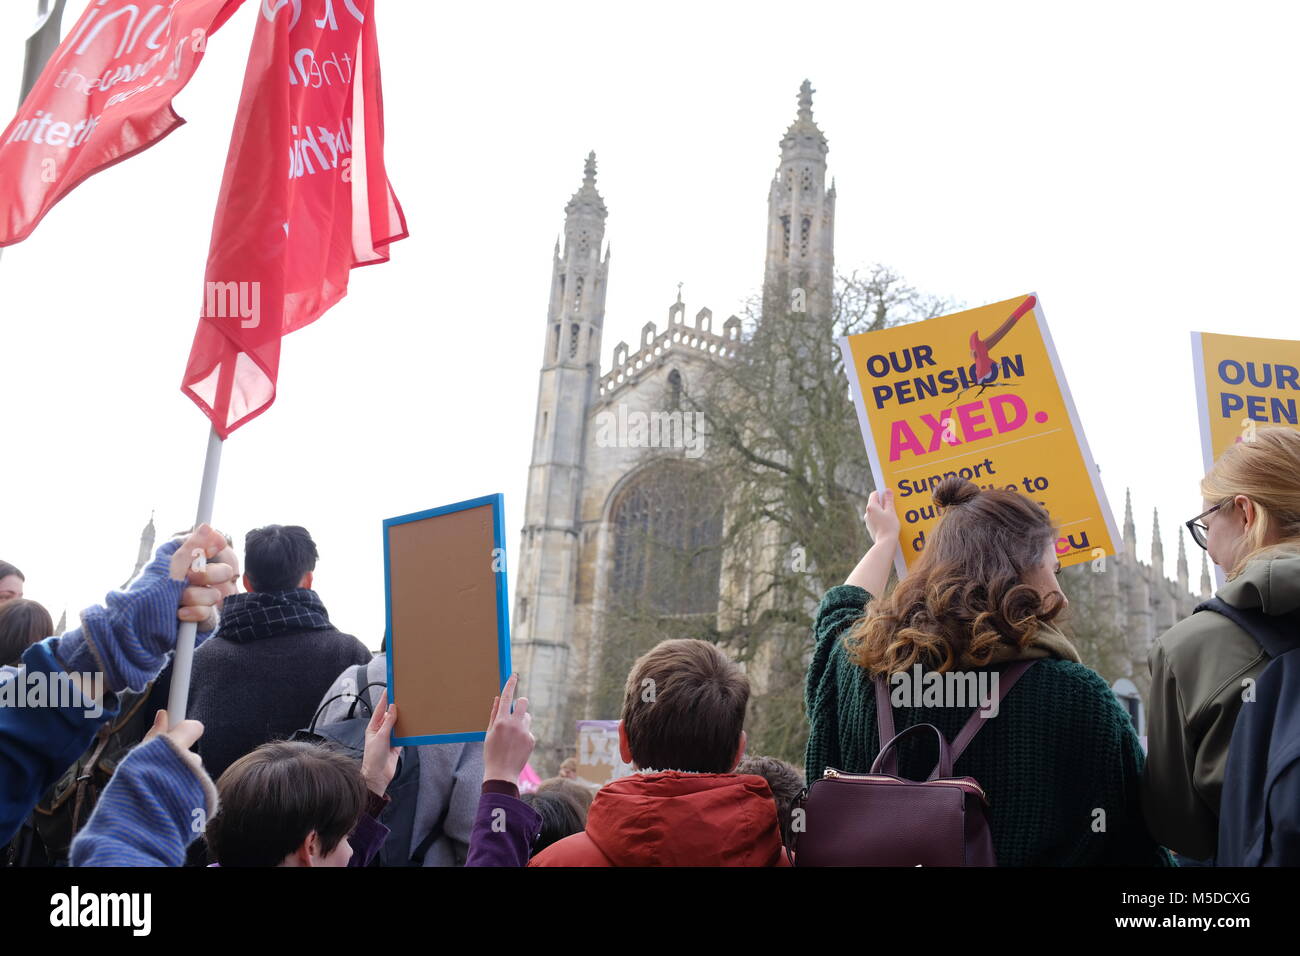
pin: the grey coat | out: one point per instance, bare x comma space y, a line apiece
451, 776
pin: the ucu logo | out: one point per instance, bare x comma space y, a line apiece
272, 8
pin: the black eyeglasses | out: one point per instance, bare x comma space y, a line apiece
1198, 528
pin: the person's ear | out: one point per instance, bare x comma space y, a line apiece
310, 850
306, 581
1248, 510
740, 751
248, 584
624, 748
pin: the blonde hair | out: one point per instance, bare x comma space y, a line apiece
1266, 469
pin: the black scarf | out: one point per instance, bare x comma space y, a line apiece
262, 614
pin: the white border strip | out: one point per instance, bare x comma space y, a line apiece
1080, 436
877, 475
1202, 400
1203, 416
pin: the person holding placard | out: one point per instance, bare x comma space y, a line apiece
1058, 757
1205, 666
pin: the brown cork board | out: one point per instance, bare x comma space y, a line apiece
448, 639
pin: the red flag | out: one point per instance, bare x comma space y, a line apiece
305, 198
105, 95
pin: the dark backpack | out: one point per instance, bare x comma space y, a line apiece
47, 835
882, 819
349, 735
1259, 809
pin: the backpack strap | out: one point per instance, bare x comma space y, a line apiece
359, 681
1007, 678
1266, 629
884, 716
421, 851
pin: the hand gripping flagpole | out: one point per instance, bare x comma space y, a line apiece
178, 697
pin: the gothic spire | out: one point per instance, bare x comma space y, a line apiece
805, 100
587, 199
1157, 546
1183, 579
1130, 529
146, 549
1206, 589
800, 222
804, 125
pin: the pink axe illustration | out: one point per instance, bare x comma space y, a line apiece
979, 348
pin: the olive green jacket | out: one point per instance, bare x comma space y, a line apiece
1200, 670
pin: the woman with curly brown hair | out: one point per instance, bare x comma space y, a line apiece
1059, 759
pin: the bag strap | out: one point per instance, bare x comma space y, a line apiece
417, 858
889, 754
884, 712
1266, 629
1007, 678
358, 695
358, 680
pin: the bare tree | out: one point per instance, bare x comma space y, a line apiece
787, 473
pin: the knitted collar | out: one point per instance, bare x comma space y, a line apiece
1048, 642
262, 614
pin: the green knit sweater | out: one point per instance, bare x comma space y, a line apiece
1060, 749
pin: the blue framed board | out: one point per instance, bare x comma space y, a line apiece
447, 619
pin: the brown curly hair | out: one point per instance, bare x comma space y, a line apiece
967, 594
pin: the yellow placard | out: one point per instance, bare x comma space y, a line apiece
1242, 384
979, 394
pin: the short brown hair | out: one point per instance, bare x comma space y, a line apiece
272, 798
580, 792
684, 708
22, 624
786, 781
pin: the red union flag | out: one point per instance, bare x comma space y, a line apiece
105, 95
305, 199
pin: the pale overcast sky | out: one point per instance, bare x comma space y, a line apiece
1134, 164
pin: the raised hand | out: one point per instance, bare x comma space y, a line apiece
882, 520
509, 742
379, 761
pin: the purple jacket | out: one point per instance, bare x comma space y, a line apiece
505, 827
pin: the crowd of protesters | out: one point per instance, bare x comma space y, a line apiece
261, 773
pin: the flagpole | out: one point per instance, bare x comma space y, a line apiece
42, 43
178, 697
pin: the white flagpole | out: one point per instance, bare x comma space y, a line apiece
41, 44
178, 697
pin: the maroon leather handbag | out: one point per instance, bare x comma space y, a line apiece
882, 819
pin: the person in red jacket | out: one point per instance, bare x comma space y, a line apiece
682, 731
